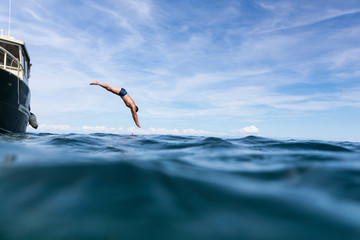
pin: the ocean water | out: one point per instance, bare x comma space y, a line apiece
107, 186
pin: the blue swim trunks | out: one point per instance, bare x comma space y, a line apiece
122, 92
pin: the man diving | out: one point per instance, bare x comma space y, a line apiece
124, 96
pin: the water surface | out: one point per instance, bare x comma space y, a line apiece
107, 186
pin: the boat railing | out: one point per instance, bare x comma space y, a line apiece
14, 64
15, 67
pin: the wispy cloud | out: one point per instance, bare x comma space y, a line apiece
289, 14
190, 64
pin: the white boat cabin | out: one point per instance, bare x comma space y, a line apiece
14, 57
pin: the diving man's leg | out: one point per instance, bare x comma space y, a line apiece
107, 87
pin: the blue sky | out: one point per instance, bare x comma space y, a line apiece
281, 69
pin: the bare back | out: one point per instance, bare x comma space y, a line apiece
128, 101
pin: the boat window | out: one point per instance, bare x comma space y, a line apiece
14, 50
22, 58
11, 62
26, 68
1, 58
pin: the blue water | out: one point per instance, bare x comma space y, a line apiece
105, 186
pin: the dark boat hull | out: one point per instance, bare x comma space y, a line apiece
14, 103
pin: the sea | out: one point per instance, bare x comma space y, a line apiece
110, 186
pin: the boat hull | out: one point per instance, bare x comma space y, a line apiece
14, 103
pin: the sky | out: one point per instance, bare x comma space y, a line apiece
278, 69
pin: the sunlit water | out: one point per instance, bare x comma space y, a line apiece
105, 186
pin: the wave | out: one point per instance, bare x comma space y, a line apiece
107, 186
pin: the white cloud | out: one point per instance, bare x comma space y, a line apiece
190, 132
249, 130
55, 128
100, 129
90, 129
65, 128
133, 130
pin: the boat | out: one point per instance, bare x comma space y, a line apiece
15, 93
